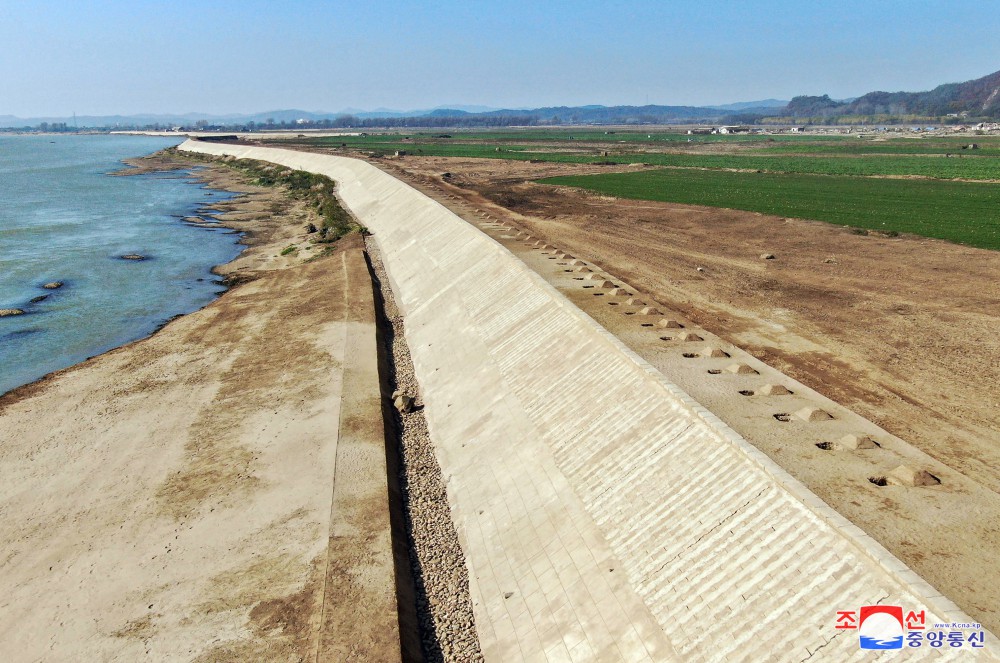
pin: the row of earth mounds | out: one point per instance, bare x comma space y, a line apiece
56, 285
604, 286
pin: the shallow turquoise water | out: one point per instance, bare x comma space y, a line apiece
62, 218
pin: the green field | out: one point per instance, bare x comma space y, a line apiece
844, 157
962, 212
586, 135
988, 147
845, 179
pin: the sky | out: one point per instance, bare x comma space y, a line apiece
221, 56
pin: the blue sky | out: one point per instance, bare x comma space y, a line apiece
222, 56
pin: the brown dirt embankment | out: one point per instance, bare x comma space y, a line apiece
901, 330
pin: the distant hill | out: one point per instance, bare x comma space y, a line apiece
462, 116
613, 114
751, 105
976, 98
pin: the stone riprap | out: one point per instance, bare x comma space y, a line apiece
604, 514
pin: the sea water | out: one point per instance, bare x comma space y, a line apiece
64, 218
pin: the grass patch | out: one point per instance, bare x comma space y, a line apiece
836, 157
327, 250
289, 249
962, 212
319, 191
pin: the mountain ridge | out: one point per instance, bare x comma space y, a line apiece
977, 98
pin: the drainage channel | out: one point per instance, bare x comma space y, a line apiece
434, 589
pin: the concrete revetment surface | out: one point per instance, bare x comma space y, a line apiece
604, 514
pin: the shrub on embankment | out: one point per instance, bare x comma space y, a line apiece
319, 191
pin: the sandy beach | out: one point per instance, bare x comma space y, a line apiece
171, 499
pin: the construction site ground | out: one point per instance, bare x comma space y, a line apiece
895, 337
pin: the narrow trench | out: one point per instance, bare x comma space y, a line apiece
432, 581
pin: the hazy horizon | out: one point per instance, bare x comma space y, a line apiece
143, 58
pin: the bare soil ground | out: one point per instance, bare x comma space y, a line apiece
171, 499
901, 331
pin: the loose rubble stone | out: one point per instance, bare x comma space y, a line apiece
441, 578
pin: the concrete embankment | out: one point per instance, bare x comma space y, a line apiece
604, 515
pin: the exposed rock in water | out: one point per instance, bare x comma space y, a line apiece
39, 298
133, 256
54, 285
5, 312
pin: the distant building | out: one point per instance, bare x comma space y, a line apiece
734, 130
700, 131
797, 130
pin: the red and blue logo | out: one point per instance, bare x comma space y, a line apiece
881, 627
889, 627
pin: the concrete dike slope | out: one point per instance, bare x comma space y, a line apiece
604, 514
